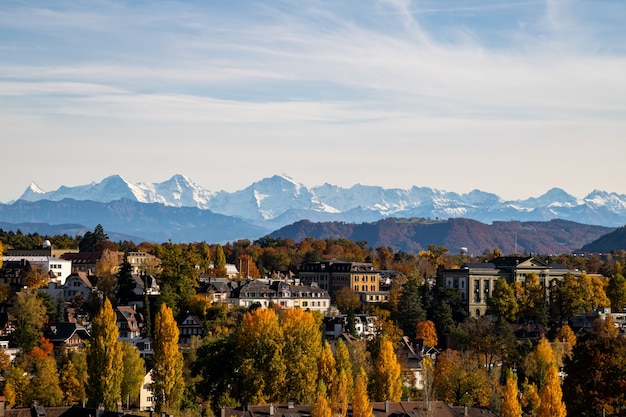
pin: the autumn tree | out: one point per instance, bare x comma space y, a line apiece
344, 363
597, 363
339, 395
510, 402
104, 359
70, 384
347, 300
564, 342
320, 407
360, 402
107, 268
247, 267
35, 278
303, 347
552, 404
326, 365
502, 302
531, 300
167, 371
460, 379
530, 400
134, 372
220, 261
15, 387
426, 330
44, 384
261, 341
387, 374
539, 361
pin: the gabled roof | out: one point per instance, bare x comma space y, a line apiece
61, 331
82, 276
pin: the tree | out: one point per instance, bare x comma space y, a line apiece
327, 370
551, 395
247, 267
410, 310
616, 292
360, 402
510, 402
303, 347
539, 361
564, 342
35, 278
167, 371
343, 363
261, 342
502, 302
126, 282
106, 270
44, 384
70, 384
597, 363
532, 304
134, 372
347, 300
321, 408
426, 330
530, 398
30, 317
93, 241
15, 387
460, 379
387, 371
339, 395
104, 359
220, 261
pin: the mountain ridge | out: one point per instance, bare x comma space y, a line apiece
271, 199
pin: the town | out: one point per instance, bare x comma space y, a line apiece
314, 328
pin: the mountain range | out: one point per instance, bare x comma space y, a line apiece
181, 210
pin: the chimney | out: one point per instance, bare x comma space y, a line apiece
386, 406
290, 404
271, 409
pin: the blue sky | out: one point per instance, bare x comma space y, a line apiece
510, 97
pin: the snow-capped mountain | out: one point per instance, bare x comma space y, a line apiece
281, 200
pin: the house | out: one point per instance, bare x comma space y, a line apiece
189, 326
42, 258
476, 280
337, 325
129, 322
280, 293
67, 336
12, 273
333, 275
78, 286
411, 354
145, 401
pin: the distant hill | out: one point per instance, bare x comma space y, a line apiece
613, 241
412, 235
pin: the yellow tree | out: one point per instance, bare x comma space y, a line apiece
261, 343
303, 347
360, 402
510, 403
134, 372
343, 363
564, 342
104, 359
167, 371
552, 404
70, 384
326, 366
530, 398
339, 395
320, 407
538, 362
387, 371
426, 330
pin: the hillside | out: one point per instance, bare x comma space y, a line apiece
411, 235
613, 241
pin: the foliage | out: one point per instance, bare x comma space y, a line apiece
539, 361
410, 310
530, 398
387, 374
426, 330
532, 305
30, 317
44, 384
347, 300
577, 295
596, 373
70, 384
94, 241
616, 292
104, 359
134, 371
326, 364
551, 395
460, 379
320, 407
510, 402
167, 371
503, 303
360, 402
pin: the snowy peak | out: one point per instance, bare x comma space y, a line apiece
280, 197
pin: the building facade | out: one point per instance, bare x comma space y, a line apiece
333, 275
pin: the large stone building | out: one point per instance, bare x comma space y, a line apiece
476, 281
333, 275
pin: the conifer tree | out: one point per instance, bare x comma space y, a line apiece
387, 371
360, 402
104, 359
510, 403
552, 404
167, 372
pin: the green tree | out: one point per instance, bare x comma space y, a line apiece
510, 402
532, 304
410, 310
616, 291
387, 371
503, 303
104, 359
30, 318
220, 260
93, 241
539, 361
167, 371
178, 276
134, 372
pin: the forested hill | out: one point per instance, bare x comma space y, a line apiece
411, 235
614, 241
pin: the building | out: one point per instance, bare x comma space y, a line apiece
129, 322
57, 268
477, 280
333, 275
281, 293
191, 325
78, 286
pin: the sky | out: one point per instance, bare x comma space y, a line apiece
509, 97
